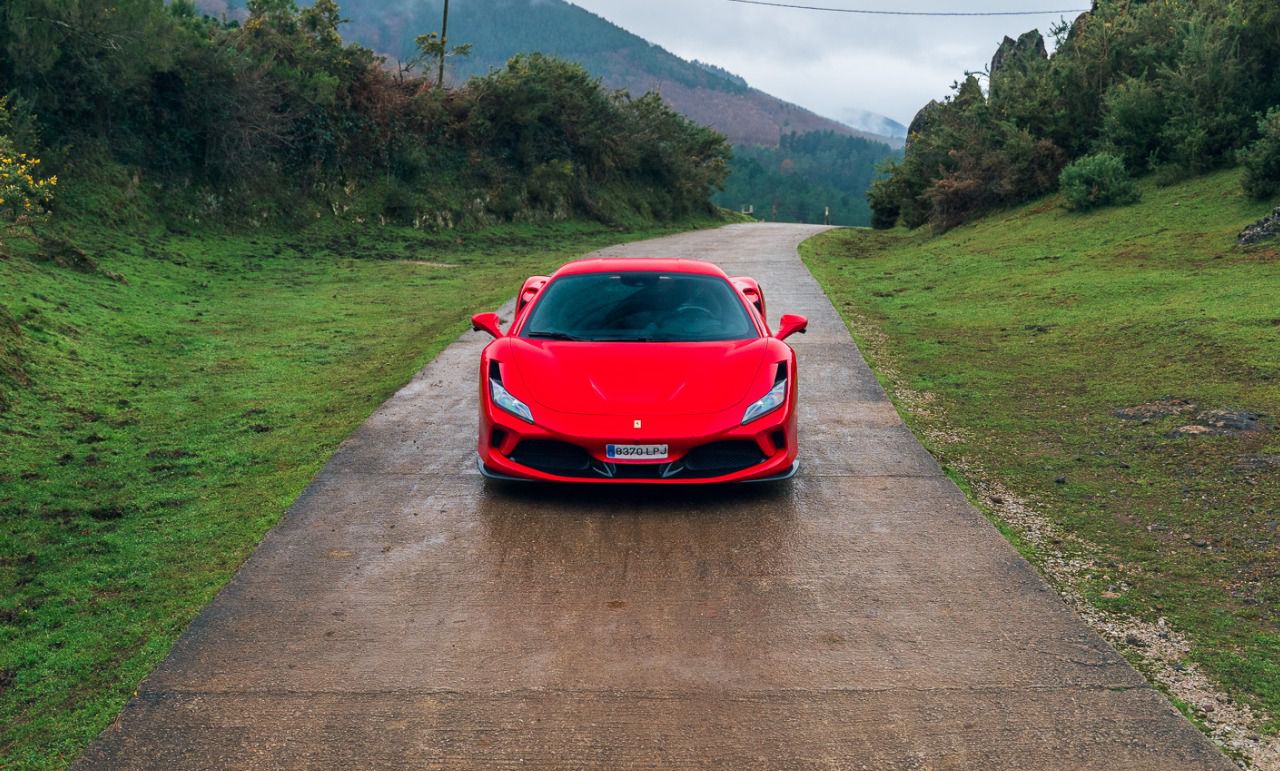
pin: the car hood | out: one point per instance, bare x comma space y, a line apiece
635, 379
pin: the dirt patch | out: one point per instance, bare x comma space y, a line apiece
107, 513
169, 455
65, 254
1265, 462
1223, 423
1153, 410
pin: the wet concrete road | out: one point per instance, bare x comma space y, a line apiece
407, 615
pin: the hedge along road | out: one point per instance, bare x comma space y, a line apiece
405, 613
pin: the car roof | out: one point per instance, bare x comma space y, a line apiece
663, 264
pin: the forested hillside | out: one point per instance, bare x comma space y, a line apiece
807, 173
710, 96
1175, 88
279, 117
500, 29
783, 178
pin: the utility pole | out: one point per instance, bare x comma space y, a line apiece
444, 42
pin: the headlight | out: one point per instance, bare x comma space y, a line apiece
770, 402
506, 401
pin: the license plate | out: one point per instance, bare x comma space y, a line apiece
636, 451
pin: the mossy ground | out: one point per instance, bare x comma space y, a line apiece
155, 425
1032, 327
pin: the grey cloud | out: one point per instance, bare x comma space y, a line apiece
829, 62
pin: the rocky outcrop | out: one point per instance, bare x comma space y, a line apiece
923, 120
1082, 21
1265, 229
1028, 46
1223, 423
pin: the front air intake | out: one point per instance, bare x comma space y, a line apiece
552, 457
719, 458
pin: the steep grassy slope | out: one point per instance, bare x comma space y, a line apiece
158, 425
1015, 347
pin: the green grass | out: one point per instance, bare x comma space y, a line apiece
1032, 326
156, 429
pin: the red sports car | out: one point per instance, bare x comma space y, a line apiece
638, 371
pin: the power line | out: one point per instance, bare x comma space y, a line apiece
867, 12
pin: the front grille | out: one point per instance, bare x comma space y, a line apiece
719, 458
632, 470
568, 460
552, 457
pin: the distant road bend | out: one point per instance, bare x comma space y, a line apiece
864, 616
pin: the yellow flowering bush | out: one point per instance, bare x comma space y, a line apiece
24, 194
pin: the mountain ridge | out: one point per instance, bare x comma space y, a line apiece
500, 29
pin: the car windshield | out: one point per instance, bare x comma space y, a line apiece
639, 306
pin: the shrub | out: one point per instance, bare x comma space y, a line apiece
1096, 181
275, 117
1261, 160
1171, 87
957, 198
24, 195
885, 198
1135, 116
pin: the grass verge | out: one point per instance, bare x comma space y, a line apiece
1014, 347
160, 411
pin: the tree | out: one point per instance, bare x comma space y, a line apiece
1171, 86
433, 48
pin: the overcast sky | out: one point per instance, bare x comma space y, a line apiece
834, 62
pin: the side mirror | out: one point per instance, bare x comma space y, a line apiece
487, 322
790, 324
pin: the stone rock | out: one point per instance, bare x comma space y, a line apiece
1222, 423
924, 120
1082, 21
1265, 229
1232, 421
1029, 45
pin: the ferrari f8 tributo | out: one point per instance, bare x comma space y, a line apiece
638, 371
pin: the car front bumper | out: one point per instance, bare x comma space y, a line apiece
703, 449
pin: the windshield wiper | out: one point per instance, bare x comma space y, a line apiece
554, 336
